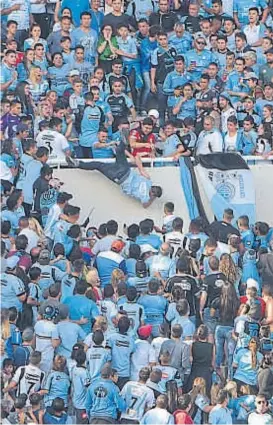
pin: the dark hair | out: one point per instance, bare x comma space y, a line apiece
58, 404
108, 291
98, 337
134, 251
34, 273
58, 249
153, 286
123, 324
80, 357
21, 242
5, 227
229, 302
81, 287
112, 227
177, 224
202, 332
131, 293
183, 401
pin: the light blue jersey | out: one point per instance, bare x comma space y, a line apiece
135, 313
11, 288
29, 171
155, 307
103, 399
173, 80
140, 283
181, 44
80, 381
7, 75
122, 347
245, 372
138, 398
57, 384
80, 306
241, 7
169, 373
59, 232
201, 61
137, 186
91, 121
69, 334
68, 284
96, 357
59, 78
88, 40
220, 415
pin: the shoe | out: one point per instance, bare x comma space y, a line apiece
72, 162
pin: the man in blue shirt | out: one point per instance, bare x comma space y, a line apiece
247, 236
93, 118
181, 40
241, 9
82, 310
122, 347
137, 185
147, 46
175, 79
70, 280
8, 78
199, 58
103, 400
29, 171
155, 306
86, 37
235, 86
108, 261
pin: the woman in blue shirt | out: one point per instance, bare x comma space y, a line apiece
247, 362
23, 68
186, 103
35, 34
8, 156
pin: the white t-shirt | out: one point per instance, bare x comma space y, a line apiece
32, 238
230, 142
209, 142
52, 218
175, 239
142, 356
29, 379
55, 142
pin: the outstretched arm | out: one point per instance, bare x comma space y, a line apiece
137, 161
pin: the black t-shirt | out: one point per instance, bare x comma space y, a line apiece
192, 24
167, 20
116, 21
212, 285
40, 186
189, 286
221, 230
165, 63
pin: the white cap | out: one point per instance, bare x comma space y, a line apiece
252, 283
153, 113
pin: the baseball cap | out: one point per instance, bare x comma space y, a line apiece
153, 113
117, 245
74, 73
12, 262
145, 331
21, 127
225, 95
64, 197
252, 283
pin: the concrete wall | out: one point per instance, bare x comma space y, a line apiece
91, 189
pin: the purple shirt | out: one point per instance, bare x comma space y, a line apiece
8, 125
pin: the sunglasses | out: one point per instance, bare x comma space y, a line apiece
261, 402
201, 42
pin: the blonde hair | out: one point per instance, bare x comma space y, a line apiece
36, 227
32, 75
199, 386
100, 324
215, 388
89, 275
231, 388
253, 347
117, 277
245, 390
5, 325
228, 268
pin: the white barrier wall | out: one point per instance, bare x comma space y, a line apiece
91, 189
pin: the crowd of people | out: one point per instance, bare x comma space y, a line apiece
152, 323
170, 78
